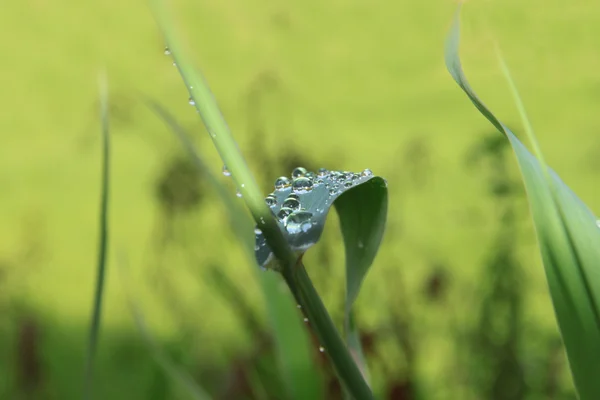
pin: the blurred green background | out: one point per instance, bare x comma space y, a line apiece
456, 305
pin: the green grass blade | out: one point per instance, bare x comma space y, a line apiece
291, 339
352, 379
230, 154
363, 213
178, 375
239, 223
568, 237
102, 244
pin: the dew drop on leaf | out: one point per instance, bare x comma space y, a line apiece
367, 172
257, 231
191, 101
281, 183
322, 172
284, 212
302, 185
298, 172
292, 203
322, 349
298, 221
226, 171
271, 200
167, 51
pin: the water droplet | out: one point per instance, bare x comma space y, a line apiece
322, 172
167, 51
174, 64
226, 171
319, 182
298, 172
298, 221
256, 248
293, 196
348, 184
284, 212
281, 183
271, 200
305, 319
298, 306
257, 231
322, 349
292, 203
238, 194
598, 223
332, 192
367, 172
360, 244
262, 221
302, 185
191, 101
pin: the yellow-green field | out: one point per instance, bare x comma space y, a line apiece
338, 84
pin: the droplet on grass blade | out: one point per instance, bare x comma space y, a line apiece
292, 203
271, 200
302, 185
284, 212
323, 172
301, 206
191, 101
298, 221
226, 171
298, 172
167, 51
281, 183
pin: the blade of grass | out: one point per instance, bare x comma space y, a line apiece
102, 245
230, 154
568, 237
292, 344
181, 377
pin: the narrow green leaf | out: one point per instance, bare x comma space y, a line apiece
569, 240
102, 243
301, 204
177, 374
205, 104
292, 342
239, 222
363, 213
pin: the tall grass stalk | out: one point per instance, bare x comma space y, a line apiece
292, 270
102, 244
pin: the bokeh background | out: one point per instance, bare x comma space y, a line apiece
456, 304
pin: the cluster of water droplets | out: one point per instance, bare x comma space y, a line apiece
300, 203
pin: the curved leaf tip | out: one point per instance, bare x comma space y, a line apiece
300, 204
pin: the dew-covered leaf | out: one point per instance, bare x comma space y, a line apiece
301, 204
292, 342
569, 241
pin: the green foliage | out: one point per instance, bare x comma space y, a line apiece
102, 243
291, 339
568, 237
